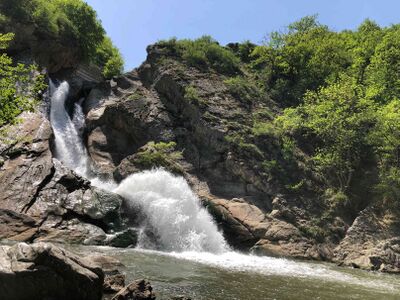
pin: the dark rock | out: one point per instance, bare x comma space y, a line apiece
44, 271
137, 290
124, 239
114, 280
15, 226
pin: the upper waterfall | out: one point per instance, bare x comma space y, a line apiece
173, 212
69, 147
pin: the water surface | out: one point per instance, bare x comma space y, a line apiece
237, 276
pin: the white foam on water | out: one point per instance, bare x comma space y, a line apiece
173, 211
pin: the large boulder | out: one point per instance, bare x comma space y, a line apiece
372, 242
114, 280
44, 271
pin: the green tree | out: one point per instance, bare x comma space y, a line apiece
386, 139
17, 86
337, 117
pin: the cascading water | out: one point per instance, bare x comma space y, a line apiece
69, 147
173, 212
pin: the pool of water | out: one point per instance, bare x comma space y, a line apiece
236, 276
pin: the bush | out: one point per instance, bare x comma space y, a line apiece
242, 89
204, 53
19, 90
159, 155
109, 58
69, 21
192, 95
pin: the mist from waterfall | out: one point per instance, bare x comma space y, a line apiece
173, 211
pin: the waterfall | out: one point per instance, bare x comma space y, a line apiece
173, 212
69, 147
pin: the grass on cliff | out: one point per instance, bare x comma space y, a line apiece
159, 154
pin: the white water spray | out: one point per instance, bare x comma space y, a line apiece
173, 211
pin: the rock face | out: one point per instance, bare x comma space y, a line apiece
372, 243
44, 201
44, 271
137, 290
149, 105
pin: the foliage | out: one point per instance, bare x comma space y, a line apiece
242, 89
300, 59
192, 95
338, 116
204, 53
109, 57
73, 22
19, 89
159, 154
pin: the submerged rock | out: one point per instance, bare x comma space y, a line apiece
44, 271
137, 290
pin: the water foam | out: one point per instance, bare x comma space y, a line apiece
173, 211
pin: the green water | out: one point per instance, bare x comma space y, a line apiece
238, 277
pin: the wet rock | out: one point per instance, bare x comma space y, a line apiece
124, 239
44, 271
137, 290
114, 280
45, 200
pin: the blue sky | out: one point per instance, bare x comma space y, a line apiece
134, 24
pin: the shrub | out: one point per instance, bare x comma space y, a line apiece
203, 53
19, 90
242, 89
192, 95
109, 58
159, 155
67, 21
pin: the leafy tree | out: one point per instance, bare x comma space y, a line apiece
109, 58
72, 22
301, 59
18, 89
384, 70
336, 117
386, 139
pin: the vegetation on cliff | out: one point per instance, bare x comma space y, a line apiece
72, 22
20, 87
335, 121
